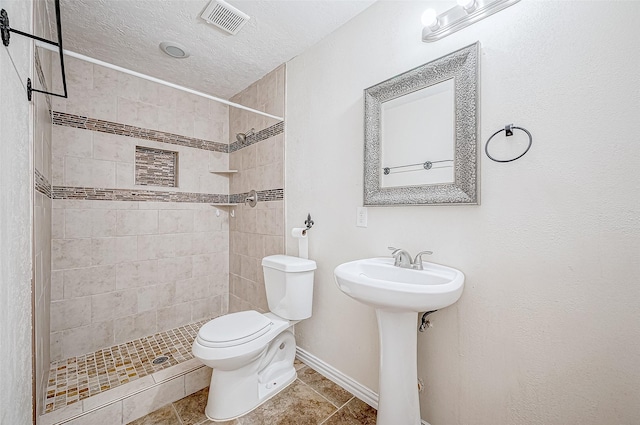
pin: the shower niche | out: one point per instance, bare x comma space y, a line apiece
156, 167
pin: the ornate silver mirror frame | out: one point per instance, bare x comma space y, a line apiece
463, 67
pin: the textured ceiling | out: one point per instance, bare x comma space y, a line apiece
127, 33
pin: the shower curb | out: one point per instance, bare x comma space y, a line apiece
162, 382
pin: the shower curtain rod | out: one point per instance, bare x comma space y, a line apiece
157, 80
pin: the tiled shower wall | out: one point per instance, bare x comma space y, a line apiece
41, 205
259, 231
124, 268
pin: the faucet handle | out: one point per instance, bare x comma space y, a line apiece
417, 262
251, 198
395, 250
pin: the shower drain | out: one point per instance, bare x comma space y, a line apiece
160, 360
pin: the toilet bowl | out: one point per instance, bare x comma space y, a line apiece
252, 353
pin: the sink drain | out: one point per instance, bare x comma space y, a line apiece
160, 360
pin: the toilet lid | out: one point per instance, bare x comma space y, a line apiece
234, 329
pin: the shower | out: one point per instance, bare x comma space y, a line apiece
241, 137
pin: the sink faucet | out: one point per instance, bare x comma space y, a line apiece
403, 258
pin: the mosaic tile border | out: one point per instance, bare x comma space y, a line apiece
259, 136
263, 196
74, 379
86, 123
41, 183
101, 194
93, 124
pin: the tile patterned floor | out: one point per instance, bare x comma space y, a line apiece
309, 400
77, 378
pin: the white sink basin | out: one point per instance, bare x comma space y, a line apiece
398, 294
380, 284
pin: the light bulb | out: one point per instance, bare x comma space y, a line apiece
430, 19
467, 5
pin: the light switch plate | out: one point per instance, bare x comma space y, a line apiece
361, 217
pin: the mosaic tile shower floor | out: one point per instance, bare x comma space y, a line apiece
77, 378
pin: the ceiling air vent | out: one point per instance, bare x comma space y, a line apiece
224, 16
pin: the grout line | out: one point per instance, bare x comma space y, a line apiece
208, 421
121, 412
317, 392
338, 407
330, 416
347, 402
176, 412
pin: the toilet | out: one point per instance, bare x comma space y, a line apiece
252, 353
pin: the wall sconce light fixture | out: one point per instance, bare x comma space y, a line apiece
458, 17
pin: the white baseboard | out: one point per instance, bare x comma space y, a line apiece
354, 387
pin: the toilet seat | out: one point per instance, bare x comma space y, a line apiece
234, 354
234, 329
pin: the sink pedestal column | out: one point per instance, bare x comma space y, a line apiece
398, 402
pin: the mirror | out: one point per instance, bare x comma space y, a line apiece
421, 133
417, 135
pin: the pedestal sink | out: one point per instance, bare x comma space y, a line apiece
398, 295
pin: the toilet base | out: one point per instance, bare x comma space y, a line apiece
284, 383
234, 393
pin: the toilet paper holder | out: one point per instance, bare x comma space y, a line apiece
308, 222
300, 233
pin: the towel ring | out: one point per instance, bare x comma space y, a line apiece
508, 129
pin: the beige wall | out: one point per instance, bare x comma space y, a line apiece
16, 185
256, 232
126, 269
42, 209
547, 329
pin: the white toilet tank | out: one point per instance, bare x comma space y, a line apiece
289, 285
